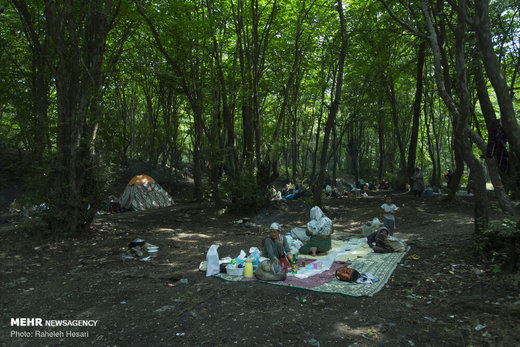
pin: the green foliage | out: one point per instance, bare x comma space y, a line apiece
397, 182
244, 194
492, 239
58, 202
505, 228
149, 103
515, 279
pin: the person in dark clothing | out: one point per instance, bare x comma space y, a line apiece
448, 177
377, 237
496, 146
384, 185
469, 186
298, 191
418, 182
286, 190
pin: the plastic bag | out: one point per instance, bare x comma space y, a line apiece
319, 224
270, 270
300, 234
242, 255
213, 263
395, 244
254, 255
369, 227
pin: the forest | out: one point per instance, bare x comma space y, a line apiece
220, 101
239, 92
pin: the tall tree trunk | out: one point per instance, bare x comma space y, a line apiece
390, 92
40, 80
193, 93
381, 143
444, 62
412, 149
503, 199
431, 149
481, 202
230, 154
495, 75
79, 41
294, 147
333, 107
488, 112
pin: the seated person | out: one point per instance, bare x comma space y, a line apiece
347, 194
384, 185
298, 191
328, 190
361, 185
286, 190
276, 246
384, 242
275, 194
291, 196
320, 231
377, 237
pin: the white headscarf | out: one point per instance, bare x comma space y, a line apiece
319, 224
275, 226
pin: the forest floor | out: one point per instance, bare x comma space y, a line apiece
441, 297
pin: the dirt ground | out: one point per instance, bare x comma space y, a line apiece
440, 297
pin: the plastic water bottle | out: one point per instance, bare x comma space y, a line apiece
294, 265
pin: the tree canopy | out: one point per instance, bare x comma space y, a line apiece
239, 92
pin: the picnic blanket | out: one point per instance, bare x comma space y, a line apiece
354, 254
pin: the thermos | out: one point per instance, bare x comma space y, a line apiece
248, 268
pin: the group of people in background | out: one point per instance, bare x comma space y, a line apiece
419, 187
293, 192
288, 192
320, 228
355, 189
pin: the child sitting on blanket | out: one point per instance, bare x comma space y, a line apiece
276, 246
377, 237
385, 243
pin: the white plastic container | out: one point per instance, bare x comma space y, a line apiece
233, 271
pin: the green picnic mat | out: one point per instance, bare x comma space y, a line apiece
380, 265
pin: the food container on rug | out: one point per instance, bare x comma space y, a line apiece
233, 271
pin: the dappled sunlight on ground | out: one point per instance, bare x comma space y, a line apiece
167, 230
437, 295
183, 235
369, 333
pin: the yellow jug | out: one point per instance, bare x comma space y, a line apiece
248, 268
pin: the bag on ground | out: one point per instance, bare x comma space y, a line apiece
270, 270
213, 261
395, 244
347, 274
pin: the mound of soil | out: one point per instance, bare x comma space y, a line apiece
438, 295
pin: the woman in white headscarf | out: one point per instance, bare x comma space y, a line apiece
320, 230
276, 246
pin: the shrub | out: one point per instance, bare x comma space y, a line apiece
500, 238
397, 182
244, 194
